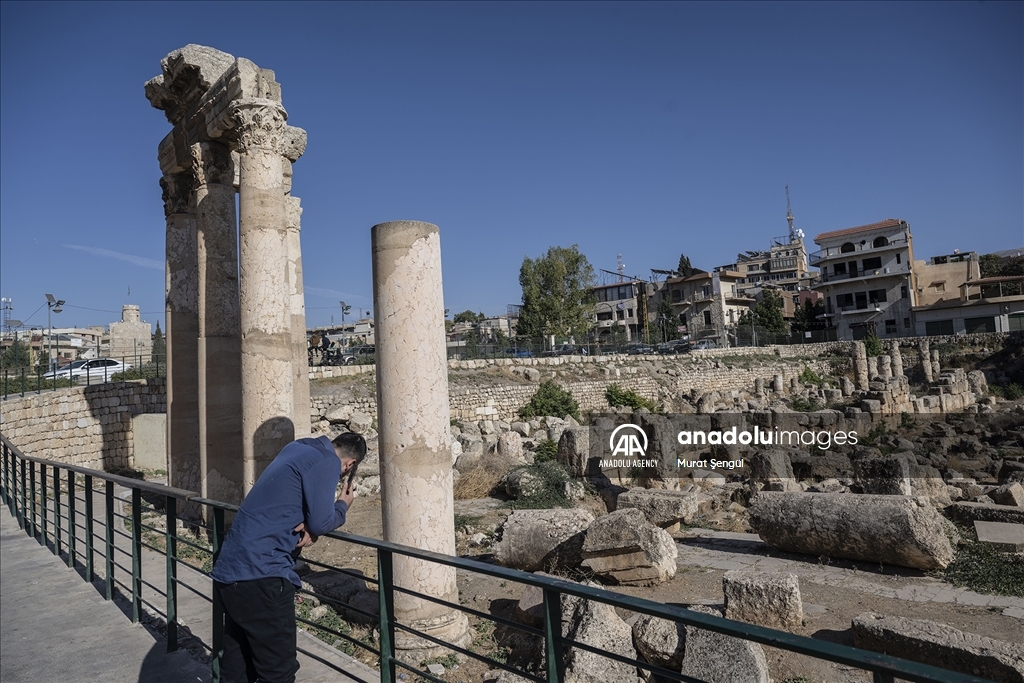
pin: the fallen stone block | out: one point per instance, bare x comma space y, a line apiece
774, 469
661, 507
623, 547
900, 530
661, 642
574, 450
1008, 494
763, 598
542, 539
1000, 535
968, 512
940, 645
717, 658
596, 624
883, 476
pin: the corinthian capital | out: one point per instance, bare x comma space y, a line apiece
259, 124
177, 192
211, 163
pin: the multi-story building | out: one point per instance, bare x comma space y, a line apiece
617, 309
709, 305
867, 279
783, 265
940, 277
991, 304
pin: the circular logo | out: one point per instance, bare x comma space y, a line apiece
615, 441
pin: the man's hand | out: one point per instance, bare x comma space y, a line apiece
347, 494
305, 538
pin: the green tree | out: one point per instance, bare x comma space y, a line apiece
500, 340
468, 317
557, 294
806, 317
159, 344
684, 268
471, 345
665, 323
993, 265
17, 355
766, 315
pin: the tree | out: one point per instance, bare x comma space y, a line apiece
557, 294
159, 345
767, 314
684, 268
665, 323
17, 355
992, 265
806, 317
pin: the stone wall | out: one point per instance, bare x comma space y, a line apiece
88, 426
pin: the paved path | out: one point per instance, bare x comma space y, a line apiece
56, 628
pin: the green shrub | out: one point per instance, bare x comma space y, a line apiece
547, 450
982, 568
1013, 392
617, 396
805, 405
551, 493
552, 400
808, 376
873, 345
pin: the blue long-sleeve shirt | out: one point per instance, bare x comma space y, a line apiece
298, 486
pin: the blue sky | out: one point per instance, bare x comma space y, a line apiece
637, 129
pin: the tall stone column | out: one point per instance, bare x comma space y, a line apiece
859, 355
897, 358
268, 400
924, 350
413, 424
220, 372
294, 146
182, 322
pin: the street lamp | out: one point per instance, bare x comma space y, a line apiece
345, 308
52, 304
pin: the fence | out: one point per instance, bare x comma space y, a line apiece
83, 372
51, 503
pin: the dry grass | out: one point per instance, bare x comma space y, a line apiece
478, 481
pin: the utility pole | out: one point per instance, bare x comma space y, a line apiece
52, 304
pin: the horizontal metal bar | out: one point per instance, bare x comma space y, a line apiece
338, 603
194, 590
156, 590
328, 664
156, 609
337, 633
424, 674
200, 548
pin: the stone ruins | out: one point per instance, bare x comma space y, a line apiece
237, 382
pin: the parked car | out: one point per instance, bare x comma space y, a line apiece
704, 344
336, 356
565, 350
639, 349
519, 353
674, 346
94, 369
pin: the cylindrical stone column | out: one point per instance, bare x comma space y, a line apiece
872, 367
220, 372
268, 400
885, 367
182, 324
936, 367
413, 422
860, 365
297, 310
924, 350
897, 358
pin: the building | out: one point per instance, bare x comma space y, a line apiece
131, 339
992, 304
940, 278
867, 279
709, 305
619, 310
783, 265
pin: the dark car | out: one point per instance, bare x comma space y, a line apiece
565, 350
639, 349
519, 353
674, 346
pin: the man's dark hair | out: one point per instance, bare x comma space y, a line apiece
352, 446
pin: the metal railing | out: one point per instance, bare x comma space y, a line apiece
44, 496
837, 252
35, 380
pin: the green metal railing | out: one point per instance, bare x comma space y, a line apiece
51, 513
34, 380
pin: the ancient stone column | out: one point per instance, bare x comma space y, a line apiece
872, 367
758, 386
897, 358
268, 400
885, 367
220, 372
293, 147
936, 368
777, 385
413, 422
924, 350
182, 334
860, 365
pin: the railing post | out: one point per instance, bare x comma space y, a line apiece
109, 500
71, 519
32, 498
136, 554
90, 568
553, 635
56, 511
171, 548
882, 677
386, 595
218, 610
42, 505
21, 513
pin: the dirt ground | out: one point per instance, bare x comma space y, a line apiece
828, 609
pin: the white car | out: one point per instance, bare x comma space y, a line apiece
93, 369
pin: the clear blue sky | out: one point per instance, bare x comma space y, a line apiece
637, 129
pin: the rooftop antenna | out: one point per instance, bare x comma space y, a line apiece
8, 306
620, 268
789, 217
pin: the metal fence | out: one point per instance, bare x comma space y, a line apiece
54, 503
35, 379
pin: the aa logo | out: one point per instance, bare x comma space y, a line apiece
625, 441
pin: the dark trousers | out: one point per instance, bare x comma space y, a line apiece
259, 631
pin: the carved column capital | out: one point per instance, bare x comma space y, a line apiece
211, 164
259, 124
178, 193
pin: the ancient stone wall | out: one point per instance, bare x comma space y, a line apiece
88, 426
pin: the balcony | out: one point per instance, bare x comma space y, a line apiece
876, 273
830, 253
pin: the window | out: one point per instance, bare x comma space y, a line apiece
876, 296
898, 258
890, 326
938, 327
976, 325
621, 314
840, 268
847, 248
880, 242
873, 263
1016, 322
844, 300
754, 266
906, 323
677, 296
939, 286
604, 315
903, 292
629, 312
705, 290
707, 317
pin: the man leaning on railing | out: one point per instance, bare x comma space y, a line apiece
291, 504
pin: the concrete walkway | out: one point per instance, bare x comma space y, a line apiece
55, 627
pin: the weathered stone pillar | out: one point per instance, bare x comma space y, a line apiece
777, 385
220, 372
936, 367
924, 350
897, 358
872, 367
268, 400
885, 367
294, 146
413, 422
860, 365
759, 386
183, 465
